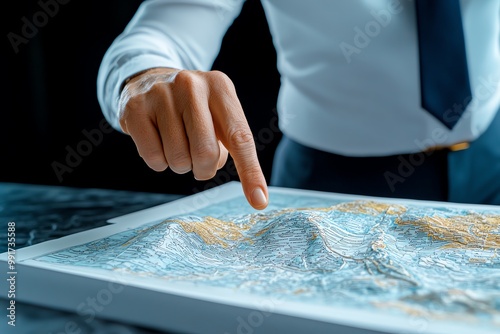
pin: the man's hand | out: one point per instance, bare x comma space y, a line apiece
189, 120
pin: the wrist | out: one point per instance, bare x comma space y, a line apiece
152, 70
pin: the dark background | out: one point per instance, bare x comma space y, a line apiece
49, 96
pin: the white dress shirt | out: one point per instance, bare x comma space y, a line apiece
349, 69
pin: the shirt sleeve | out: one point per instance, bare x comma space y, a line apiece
183, 34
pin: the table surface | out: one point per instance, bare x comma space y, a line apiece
43, 212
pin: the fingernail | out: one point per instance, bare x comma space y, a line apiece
258, 198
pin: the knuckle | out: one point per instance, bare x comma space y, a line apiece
151, 155
206, 154
183, 76
240, 136
155, 161
218, 75
205, 174
252, 173
188, 81
221, 79
179, 161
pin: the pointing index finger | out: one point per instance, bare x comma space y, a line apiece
241, 146
233, 131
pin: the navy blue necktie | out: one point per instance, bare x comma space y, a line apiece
444, 78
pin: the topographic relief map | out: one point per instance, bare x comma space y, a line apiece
436, 262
